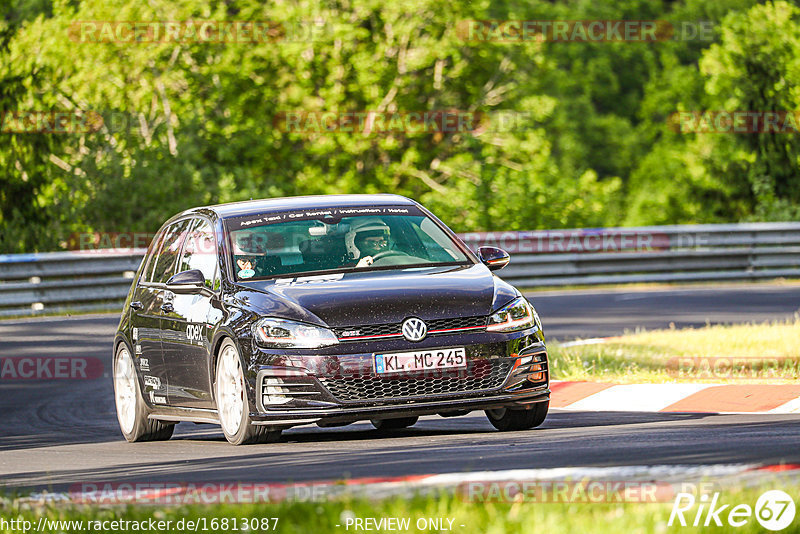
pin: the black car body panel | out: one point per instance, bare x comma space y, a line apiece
174, 338
360, 298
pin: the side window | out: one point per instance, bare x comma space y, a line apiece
152, 254
168, 252
200, 252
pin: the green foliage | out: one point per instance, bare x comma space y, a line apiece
757, 67
721, 177
493, 507
195, 123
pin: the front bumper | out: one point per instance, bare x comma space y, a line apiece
502, 371
341, 414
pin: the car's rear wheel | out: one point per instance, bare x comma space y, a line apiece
505, 419
131, 409
394, 424
233, 406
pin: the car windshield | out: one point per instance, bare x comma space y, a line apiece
302, 242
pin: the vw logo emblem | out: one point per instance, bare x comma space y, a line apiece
414, 329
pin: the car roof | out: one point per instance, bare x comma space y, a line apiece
254, 207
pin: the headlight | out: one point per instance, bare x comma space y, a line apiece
518, 315
272, 332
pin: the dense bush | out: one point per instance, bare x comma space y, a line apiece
196, 123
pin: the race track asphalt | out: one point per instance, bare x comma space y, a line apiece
58, 433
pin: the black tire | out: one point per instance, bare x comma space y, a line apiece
143, 429
506, 419
393, 424
247, 433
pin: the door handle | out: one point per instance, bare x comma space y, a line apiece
136, 305
167, 307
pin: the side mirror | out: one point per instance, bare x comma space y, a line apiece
494, 258
189, 282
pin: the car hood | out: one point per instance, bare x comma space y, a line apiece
379, 297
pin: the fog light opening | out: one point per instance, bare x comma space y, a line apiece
273, 393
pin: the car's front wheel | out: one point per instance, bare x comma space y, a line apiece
505, 419
131, 409
232, 404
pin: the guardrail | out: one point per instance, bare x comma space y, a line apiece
32, 284
52, 282
688, 253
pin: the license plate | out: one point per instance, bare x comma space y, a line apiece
403, 362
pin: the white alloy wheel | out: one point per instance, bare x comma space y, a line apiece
230, 390
125, 390
233, 405
132, 412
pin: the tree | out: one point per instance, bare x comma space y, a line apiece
756, 67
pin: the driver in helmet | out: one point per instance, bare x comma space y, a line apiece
367, 237
249, 247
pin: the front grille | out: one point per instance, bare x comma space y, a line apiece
435, 327
456, 323
480, 375
368, 330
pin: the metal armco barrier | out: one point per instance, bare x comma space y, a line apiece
694, 253
32, 284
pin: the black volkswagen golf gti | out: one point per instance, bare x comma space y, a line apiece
262, 315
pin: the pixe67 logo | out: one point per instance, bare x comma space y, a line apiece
774, 511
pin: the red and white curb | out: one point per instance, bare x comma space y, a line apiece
679, 397
686, 397
467, 485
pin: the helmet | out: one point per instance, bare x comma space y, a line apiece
361, 228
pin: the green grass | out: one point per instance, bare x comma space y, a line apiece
478, 518
768, 352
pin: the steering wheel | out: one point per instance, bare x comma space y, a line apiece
387, 254
394, 257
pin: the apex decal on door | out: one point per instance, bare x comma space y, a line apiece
194, 332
